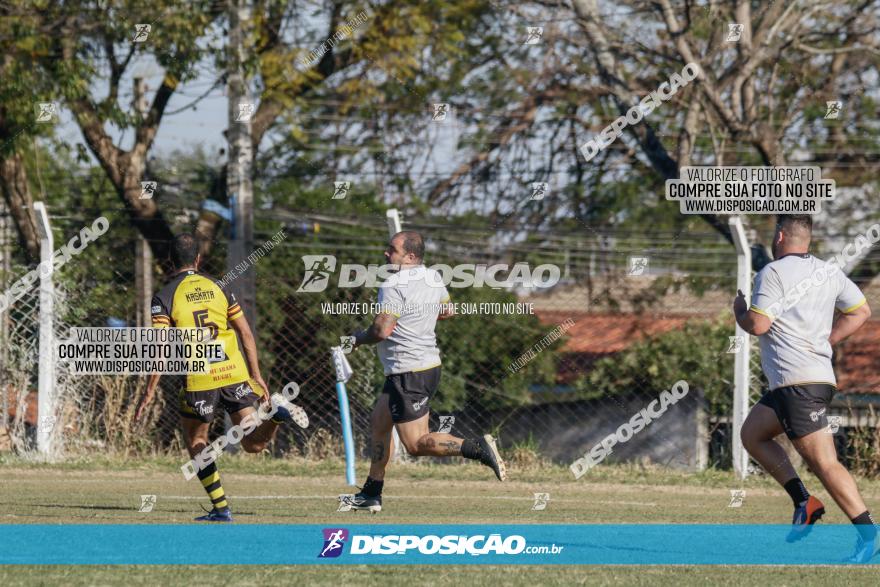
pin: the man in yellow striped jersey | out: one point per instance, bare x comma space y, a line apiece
194, 300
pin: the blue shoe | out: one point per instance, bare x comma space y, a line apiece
216, 515
286, 411
805, 515
865, 551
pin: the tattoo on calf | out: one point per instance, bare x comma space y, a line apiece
451, 447
378, 452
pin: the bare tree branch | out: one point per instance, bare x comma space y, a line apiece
125, 169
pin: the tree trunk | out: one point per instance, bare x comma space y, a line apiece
144, 214
17, 195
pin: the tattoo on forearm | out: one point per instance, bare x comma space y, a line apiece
378, 452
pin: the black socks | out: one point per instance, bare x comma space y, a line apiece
471, 449
864, 523
372, 488
796, 490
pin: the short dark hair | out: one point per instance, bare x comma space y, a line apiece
413, 243
797, 224
184, 250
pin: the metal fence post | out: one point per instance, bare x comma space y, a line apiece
46, 386
5, 270
741, 359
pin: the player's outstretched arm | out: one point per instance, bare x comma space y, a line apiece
249, 345
847, 323
147, 398
381, 328
447, 310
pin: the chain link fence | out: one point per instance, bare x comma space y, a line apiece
549, 372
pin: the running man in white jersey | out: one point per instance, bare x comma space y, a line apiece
793, 314
411, 301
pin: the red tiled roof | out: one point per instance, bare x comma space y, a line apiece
599, 334
596, 335
858, 360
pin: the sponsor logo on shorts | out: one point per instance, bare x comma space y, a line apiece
419, 404
334, 540
202, 409
242, 390
814, 416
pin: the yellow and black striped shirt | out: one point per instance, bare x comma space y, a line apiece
195, 300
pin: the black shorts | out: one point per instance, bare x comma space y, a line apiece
202, 405
801, 409
409, 393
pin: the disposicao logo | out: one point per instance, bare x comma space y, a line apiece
443, 545
320, 268
334, 540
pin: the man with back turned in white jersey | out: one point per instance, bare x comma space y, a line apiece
792, 313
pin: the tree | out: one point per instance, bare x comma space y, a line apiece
117, 38
758, 101
756, 92
24, 40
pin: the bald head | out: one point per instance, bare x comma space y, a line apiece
406, 248
411, 242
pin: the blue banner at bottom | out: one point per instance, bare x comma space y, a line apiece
594, 544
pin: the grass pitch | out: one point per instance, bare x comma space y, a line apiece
267, 490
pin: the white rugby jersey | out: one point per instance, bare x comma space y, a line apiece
414, 295
799, 293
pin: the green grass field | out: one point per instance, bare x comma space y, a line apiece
266, 490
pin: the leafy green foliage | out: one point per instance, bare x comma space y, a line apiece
696, 353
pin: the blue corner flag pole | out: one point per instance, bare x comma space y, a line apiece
347, 438
343, 373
